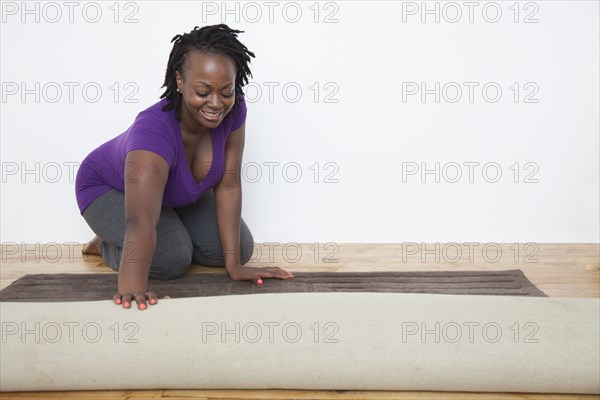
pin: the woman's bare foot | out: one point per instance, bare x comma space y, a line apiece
92, 248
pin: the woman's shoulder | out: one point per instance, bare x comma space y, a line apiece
154, 124
238, 113
156, 112
240, 99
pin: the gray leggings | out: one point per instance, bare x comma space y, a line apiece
184, 235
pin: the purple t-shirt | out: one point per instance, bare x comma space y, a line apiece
157, 131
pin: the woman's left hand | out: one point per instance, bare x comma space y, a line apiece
255, 274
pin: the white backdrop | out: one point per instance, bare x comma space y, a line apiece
367, 121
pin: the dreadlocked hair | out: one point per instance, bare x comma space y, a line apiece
213, 39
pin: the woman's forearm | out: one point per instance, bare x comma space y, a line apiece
229, 214
136, 258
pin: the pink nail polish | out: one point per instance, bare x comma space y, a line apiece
142, 306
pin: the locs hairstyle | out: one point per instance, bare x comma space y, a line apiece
213, 39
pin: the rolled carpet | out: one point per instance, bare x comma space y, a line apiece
328, 341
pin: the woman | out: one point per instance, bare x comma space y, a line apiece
167, 192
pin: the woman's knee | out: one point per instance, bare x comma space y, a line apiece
208, 249
165, 265
246, 250
211, 254
172, 262
171, 266
247, 244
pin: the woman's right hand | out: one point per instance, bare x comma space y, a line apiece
139, 297
147, 175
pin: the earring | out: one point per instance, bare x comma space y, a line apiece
177, 90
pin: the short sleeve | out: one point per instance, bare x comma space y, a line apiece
149, 132
240, 113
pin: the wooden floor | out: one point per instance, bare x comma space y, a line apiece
560, 270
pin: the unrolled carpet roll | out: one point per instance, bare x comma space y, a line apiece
343, 341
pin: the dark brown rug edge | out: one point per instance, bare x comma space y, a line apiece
521, 285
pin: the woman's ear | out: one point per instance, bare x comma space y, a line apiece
179, 81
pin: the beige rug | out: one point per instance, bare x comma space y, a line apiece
332, 341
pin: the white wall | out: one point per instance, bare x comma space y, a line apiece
365, 59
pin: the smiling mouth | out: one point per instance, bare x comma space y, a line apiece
212, 116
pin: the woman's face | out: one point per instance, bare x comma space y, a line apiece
207, 88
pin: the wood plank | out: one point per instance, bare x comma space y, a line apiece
86, 395
349, 394
283, 394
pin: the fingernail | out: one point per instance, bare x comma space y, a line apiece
153, 301
142, 306
118, 301
259, 282
126, 304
